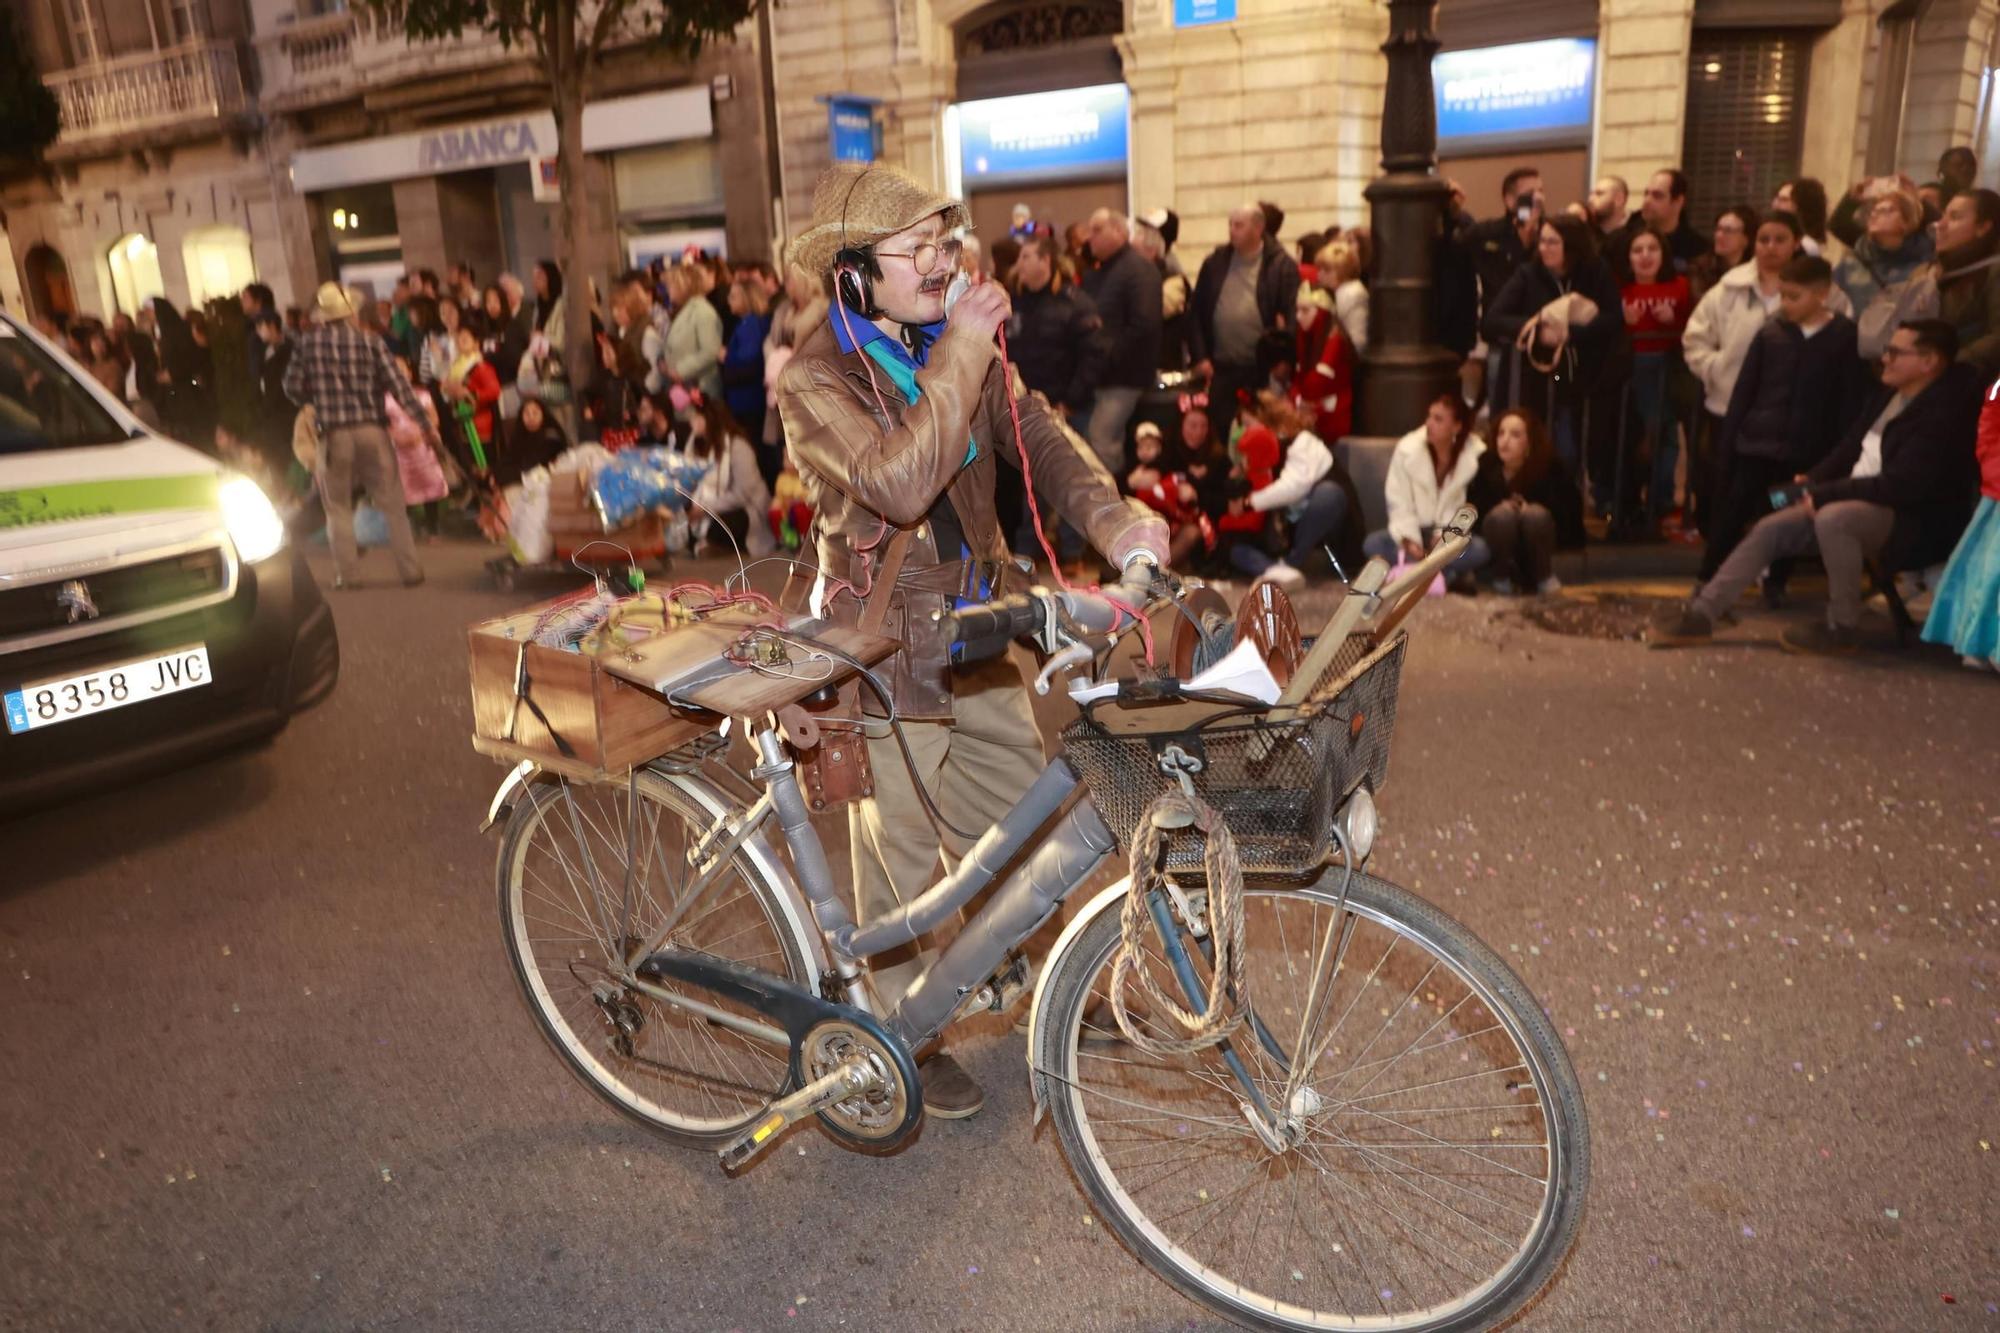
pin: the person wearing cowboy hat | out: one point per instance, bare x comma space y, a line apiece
346, 376
897, 417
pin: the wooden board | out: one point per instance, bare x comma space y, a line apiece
688, 665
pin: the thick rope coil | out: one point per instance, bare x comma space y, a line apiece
1227, 988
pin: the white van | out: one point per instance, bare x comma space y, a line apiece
151, 607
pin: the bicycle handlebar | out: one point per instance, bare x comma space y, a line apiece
1057, 617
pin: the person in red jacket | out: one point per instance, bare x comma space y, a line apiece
1157, 482
1658, 302
1323, 374
1966, 611
473, 388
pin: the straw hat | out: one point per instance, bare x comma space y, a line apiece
331, 303
856, 204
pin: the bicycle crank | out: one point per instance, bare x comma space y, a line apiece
851, 1078
829, 1041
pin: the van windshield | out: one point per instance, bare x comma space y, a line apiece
41, 404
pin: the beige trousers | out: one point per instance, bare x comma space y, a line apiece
975, 767
363, 456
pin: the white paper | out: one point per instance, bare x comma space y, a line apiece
1243, 672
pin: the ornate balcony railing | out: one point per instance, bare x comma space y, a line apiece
321, 59
189, 82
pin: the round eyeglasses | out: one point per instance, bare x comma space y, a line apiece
924, 259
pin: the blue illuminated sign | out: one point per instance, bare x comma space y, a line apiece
1526, 94
1073, 133
1191, 13
854, 131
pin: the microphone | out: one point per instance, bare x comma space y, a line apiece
960, 285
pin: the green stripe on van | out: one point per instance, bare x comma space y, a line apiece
94, 499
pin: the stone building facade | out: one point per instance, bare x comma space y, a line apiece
1282, 100
207, 144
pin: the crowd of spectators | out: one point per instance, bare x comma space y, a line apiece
1636, 376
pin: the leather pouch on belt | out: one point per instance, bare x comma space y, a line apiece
835, 772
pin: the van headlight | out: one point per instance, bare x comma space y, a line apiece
1358, 824
253, 523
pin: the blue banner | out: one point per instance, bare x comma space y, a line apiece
1529, 92
1190, 13
1072, 133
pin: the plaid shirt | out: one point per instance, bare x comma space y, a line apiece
346, 375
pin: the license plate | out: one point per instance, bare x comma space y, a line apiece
52, 701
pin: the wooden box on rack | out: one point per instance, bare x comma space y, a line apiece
609, 725
612, 712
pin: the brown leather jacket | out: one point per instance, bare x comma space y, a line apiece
865, 475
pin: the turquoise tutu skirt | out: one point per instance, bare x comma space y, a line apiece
1966, 611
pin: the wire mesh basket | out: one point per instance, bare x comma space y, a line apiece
1275, 778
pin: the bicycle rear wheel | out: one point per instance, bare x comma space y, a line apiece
1445, 1156
569, 925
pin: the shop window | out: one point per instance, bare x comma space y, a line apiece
1745, 106
674, 180
135, 272
218, 263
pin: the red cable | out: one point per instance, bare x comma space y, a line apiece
1035, 510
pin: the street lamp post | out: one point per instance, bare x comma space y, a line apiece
1404, 367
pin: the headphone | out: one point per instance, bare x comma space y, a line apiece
855, 268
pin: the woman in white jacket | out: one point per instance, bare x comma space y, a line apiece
1306, 489
1719, 333
731, 495
1428, 475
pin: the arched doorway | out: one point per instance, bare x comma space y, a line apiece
134, 262
218, 263
49, 292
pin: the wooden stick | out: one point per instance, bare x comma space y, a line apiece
1339, 625
1410, 589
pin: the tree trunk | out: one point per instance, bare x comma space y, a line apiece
579, 240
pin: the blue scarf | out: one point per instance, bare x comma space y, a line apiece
895, 361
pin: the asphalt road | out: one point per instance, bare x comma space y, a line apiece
266, 1067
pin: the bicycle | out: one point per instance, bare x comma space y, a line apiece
1359, 1117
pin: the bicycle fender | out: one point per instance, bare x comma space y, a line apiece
1106, 900
511, 788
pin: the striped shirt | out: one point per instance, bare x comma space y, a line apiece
346, 375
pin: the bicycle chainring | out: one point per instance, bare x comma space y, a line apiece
880, 1114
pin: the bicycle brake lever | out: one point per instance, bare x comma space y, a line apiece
1074, 655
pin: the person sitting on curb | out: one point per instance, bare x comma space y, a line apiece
1899, 486
1428, 476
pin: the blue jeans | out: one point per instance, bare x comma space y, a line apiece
1475, 555
1325, 510
1653, 400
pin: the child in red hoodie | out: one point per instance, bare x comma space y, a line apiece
1256, 451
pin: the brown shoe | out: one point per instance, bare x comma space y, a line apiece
949, 1092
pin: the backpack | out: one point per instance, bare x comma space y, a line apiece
1893, 305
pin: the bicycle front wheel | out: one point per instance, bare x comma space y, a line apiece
1442, 1155
588, 873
